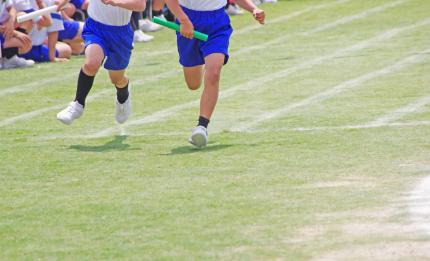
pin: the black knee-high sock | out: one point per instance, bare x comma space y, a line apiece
203, 122
10, 52
122, 94
85, 82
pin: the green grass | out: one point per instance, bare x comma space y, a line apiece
272, 192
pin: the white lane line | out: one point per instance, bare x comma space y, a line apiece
31, 86
319, 97
300, 129
419, 205
261, 81
349, 19
285, 18
402, 112
346, 127
32, 114
324, 27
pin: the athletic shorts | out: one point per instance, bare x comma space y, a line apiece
38, 53
214, 23
116, 41
77, 3
71, 29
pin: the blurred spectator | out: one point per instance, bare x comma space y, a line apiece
44, 34
71, 34
146, 24
232, 9
139, 36
12, 42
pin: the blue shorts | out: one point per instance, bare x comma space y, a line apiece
214, 23
38, 53
71, 29
116, 41
77, 3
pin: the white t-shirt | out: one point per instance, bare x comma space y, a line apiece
4, 14
107, 14
57, 23
203, 5
23, 5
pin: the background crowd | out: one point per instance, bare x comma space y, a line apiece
58, 36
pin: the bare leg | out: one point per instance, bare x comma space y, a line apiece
193, 76
208, 100
94, 56
118, 78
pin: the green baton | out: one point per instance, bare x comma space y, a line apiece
174, 26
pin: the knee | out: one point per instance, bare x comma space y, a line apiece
25, 48
91, 67
193, 85
213, 76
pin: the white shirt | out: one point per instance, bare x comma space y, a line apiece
57, 24
23, 5
4, 14
203, 5
107, 14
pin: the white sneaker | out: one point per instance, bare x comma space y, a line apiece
140, 36
234, 10
123, 111
16, 62
1, 63
199, 137
162, 17
72, 112
270, 1
148, 26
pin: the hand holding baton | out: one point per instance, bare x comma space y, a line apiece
176, 27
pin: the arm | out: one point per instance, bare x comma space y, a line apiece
186, 27
52, 41
46, 19
9, 25
61, 4
249, 6
132, 5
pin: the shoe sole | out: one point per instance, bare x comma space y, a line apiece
65, 122
198, 140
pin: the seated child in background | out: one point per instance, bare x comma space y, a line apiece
45, 45
12, 41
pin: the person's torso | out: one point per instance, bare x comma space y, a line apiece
107, 14
25, 5
203, 5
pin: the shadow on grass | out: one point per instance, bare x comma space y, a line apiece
190, 149
115, 144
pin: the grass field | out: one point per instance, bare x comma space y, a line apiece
319, 147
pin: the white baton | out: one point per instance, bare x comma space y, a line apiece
32, 15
